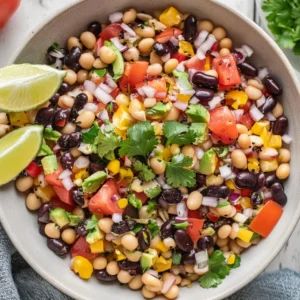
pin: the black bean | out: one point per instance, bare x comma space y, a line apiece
204, 95
217, 191
272, 86
172, 47
61, 117
268, 106
144, 239
54, 99
221, 221
201, 79
64, 88
95, 167
94, 27
248, 69
200, 180
67, 160
190, 28
120, 228
77, 196
161, 49
45, 116
271, 179
246, 180
42, 229
205, 243
58, 247
43, 213
81, 229
172, 196
189, 258
278, 194
167, 229
50, 59
256, 199
280, 125
131, 212
103, 276
80, 100
73, 57
183, 241
68, 141
133, 268
261, 180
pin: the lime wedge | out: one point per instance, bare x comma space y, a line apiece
24, 87
17, 149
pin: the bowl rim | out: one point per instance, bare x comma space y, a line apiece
273, 252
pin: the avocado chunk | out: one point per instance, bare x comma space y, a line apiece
93, 232
148, 259
59, 216
158, 110
208, 163
152, 189
93, 182
198, 113
118, 65
183, 81
201, 132
49, 164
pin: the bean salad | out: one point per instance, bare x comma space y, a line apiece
164, 152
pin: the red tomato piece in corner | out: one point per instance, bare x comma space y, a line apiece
136, 72
63, 195
265, 221
166, 35
194, 229
52, 179
110, 31
179, 56
223, 124
227, 70
82, 248
195, 63
102, 202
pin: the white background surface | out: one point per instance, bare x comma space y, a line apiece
34, 12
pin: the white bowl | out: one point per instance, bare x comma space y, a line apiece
21, 226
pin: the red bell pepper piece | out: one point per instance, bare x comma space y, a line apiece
33, 169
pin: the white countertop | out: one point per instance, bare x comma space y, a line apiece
34, 12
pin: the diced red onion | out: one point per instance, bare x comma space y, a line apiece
240, 218
238, 113
255, 113
115, 17
181, 105
267, 194
214, 102
225, 171
82, 162
123, 190
149, 91
201, 38
64, 174
106, 88
141, 91
270, 117
56, 54
168, 283
103, 115
240, 55
91, 107
130, 31
199, 152
102, 96
166, 187
161, 180
261, 101
210, 201
67, 183
210, 41
90, 86
180, 37
200, 54
180, 67
56, 148
85, 148
201, 258
127, 162
262, 73
118, 44
248, 212
153, 273
182, 210
117, 218
248, 50
110, 82
194, 100
174, 41
166, 57
286, 139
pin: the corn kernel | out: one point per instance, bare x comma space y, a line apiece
119, 255
183, 98
186, 48
275, 141
18, 119
231, 259
166, 155
126, 174
97, 247
82, 266
253, 164
265, 136
230, 184
259, 126
162, 264
160, 246
237, 98
245, 235
170, 17
82, 174
245, 202
114, 166
122, 203
122, 120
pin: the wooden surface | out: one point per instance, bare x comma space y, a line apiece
35, 12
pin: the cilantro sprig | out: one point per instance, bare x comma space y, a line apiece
144, 172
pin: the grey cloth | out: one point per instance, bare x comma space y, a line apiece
19, 281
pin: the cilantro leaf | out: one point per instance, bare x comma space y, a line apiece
92, 228
153, 228
51, 134
134, 201
176, 258
144, 172
140, 140
73, 219
237, 262
209, 280
177, 173
158, 109
201, 132
89, 136
100, 72
44, 150
181, 225
151, 205
178, 133
137, 227
106, 144
198, 113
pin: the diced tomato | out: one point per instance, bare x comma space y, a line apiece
194, 229
102, 202
246, 120
33, 169
82, 248
246, 192
110, 31
136, 72
142, 196
264, 222
212, 217
123, 84
61, 123
223, 124
238, 207
52, 179
195, 63
99, 44
194, 214
179, 56
166, 35
56, 202
64, 195
160, 87
227, 70
115, 92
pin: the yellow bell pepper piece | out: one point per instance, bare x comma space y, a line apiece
231, 259
162, 264
45, 193
186, 48
170, 17
230, 184
122, 203
126, 174
82, 266
236, 98
253, 164
183, 98
114, 166
245, 234
265, 136
259, 126
268, 165
82, 174
207, 65
121, 119
245, 202
275, 141
119, 255
166, 155
97, 247
18, 119
160, 246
